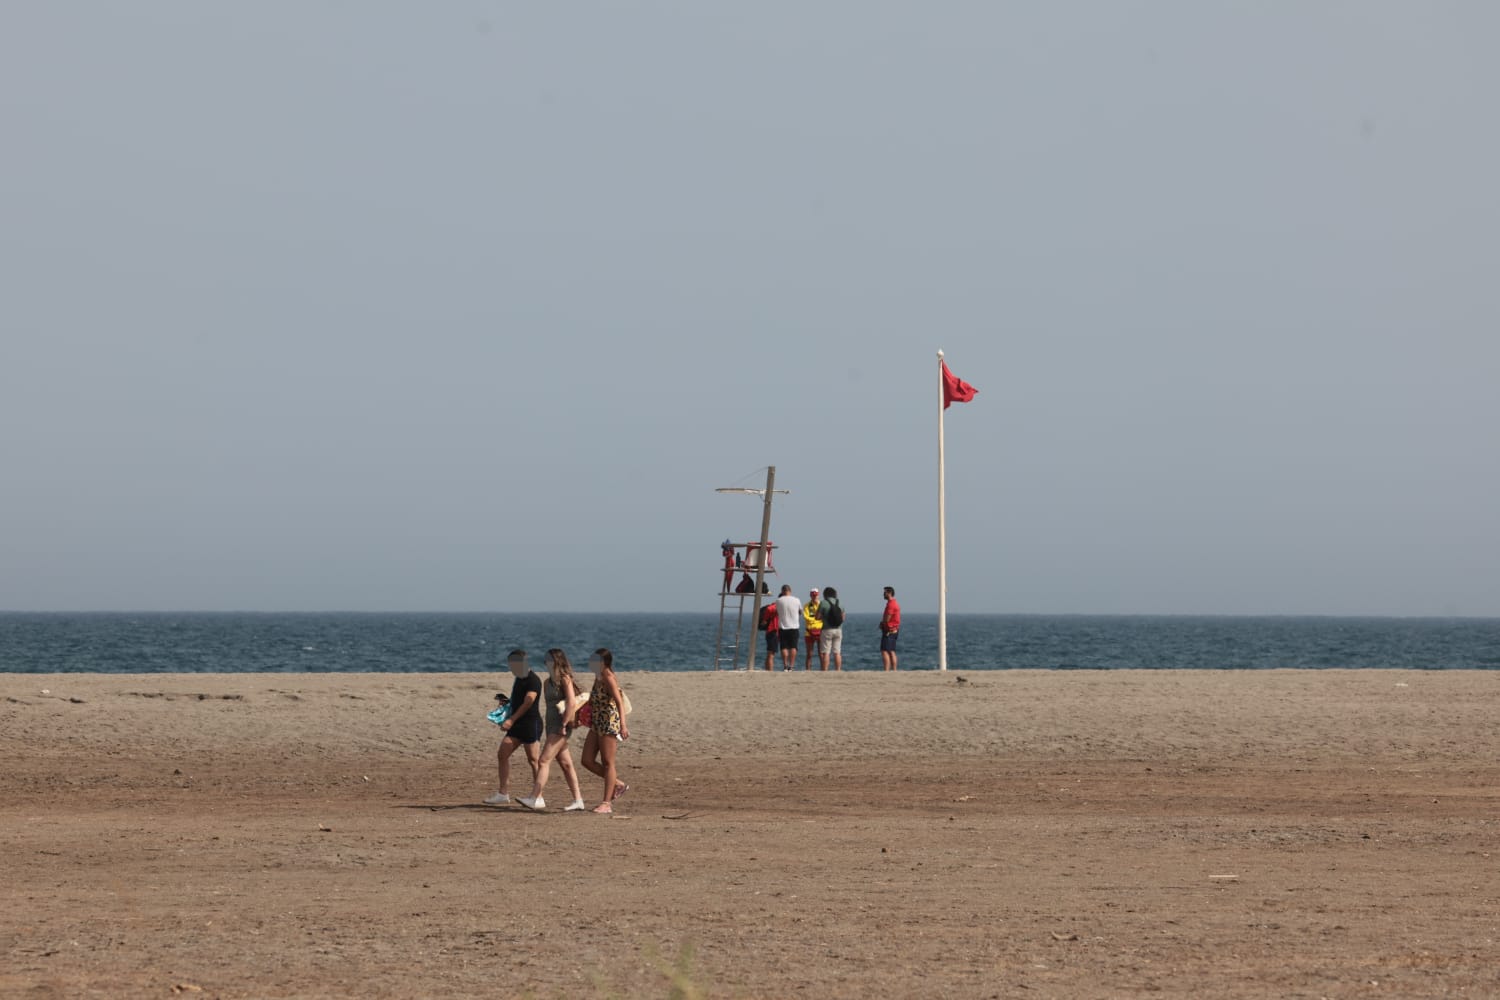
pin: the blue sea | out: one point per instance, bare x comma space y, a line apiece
241, 642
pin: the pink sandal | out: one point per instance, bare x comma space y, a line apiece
603, 809
620, 789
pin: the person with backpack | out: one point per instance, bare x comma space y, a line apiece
769, 624
831, 641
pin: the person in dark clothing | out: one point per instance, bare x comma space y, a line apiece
831, 642
524, 727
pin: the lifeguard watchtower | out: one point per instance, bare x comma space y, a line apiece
750, 562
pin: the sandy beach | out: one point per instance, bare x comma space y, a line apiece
993, 834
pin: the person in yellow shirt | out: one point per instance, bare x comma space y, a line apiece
812, 617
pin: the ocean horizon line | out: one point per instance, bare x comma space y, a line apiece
873, 609
245, 641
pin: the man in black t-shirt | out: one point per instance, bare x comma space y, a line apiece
524, 726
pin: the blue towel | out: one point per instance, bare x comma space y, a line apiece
500, 714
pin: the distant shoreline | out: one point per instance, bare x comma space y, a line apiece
1020, 615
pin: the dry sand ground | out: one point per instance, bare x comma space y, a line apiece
1022, 834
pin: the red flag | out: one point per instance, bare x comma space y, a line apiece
955, 389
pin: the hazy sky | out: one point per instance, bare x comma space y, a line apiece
471, 306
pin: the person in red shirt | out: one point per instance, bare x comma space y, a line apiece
890, 625
769, 625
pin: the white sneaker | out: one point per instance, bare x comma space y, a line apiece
536, 803
498, 799
576, 806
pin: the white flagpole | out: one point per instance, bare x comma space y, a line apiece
942, 534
